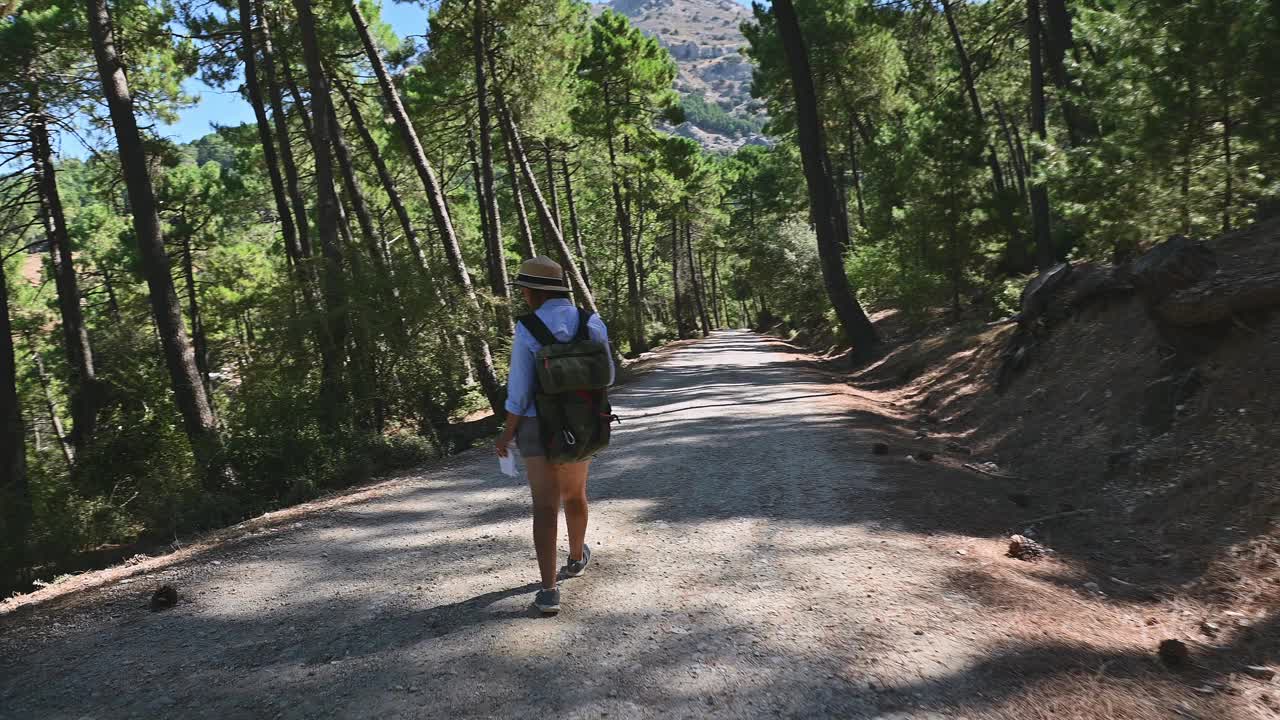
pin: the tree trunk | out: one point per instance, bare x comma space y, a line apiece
367, 402
553, 197
245, 336
385, 177
639, 343
51, 405
360, 205
333, 288
288, 229
527, 249
1227, 198
638, 246
971, 88
83, 381
573, 221
293, 186
1039, 193
485, 187
495, 269
1081, 127
330, 363
299, 103
698, 302
481, 356
1016, 155
545, 231
1221, 297
955, 261
113, 302
1187, 145
199, 342
823, 198
250, 337
494, 255
622, 213
705, 291
856, 172
1023, 163
513, 179
552, 192
1014, 252
15, 498
384, 243
544, 212
715, 290
188, 390
675, 275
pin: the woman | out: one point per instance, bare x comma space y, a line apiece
541, 282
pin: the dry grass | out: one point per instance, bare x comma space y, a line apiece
1090, 696
1187, 523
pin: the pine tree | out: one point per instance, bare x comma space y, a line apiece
15, 496
828, 214
481, 357
188, 389
626, 83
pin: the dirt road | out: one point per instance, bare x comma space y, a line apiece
745, 566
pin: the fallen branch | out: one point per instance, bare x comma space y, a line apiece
983, 471
1221, 298
1055, 516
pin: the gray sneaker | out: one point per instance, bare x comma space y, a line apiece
575, 568
548, 601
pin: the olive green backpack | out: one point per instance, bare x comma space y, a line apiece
571, 391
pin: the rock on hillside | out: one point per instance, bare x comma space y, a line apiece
704, 39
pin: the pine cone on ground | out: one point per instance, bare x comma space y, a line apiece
1024, 548
1173, 653
164, 598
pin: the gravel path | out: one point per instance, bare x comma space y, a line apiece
744, 567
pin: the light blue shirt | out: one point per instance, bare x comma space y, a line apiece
561, 318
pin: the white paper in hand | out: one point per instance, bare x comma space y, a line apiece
509, 465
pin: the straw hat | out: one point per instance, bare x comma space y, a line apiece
541, 273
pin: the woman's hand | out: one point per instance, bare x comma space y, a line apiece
503, 441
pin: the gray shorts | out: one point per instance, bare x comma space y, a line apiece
528, 439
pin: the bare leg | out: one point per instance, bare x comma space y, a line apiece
543, 481
573, 492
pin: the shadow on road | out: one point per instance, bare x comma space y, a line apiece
413, 604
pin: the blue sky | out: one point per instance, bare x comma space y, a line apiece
226, 107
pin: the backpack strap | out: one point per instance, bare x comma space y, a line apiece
537, 329
584, 317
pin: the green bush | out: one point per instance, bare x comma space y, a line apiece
659, 333
714, 118
1008, 295
883, 280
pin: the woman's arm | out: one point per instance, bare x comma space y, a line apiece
519, 387
508, 433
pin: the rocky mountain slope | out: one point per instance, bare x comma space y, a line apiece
714, 79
